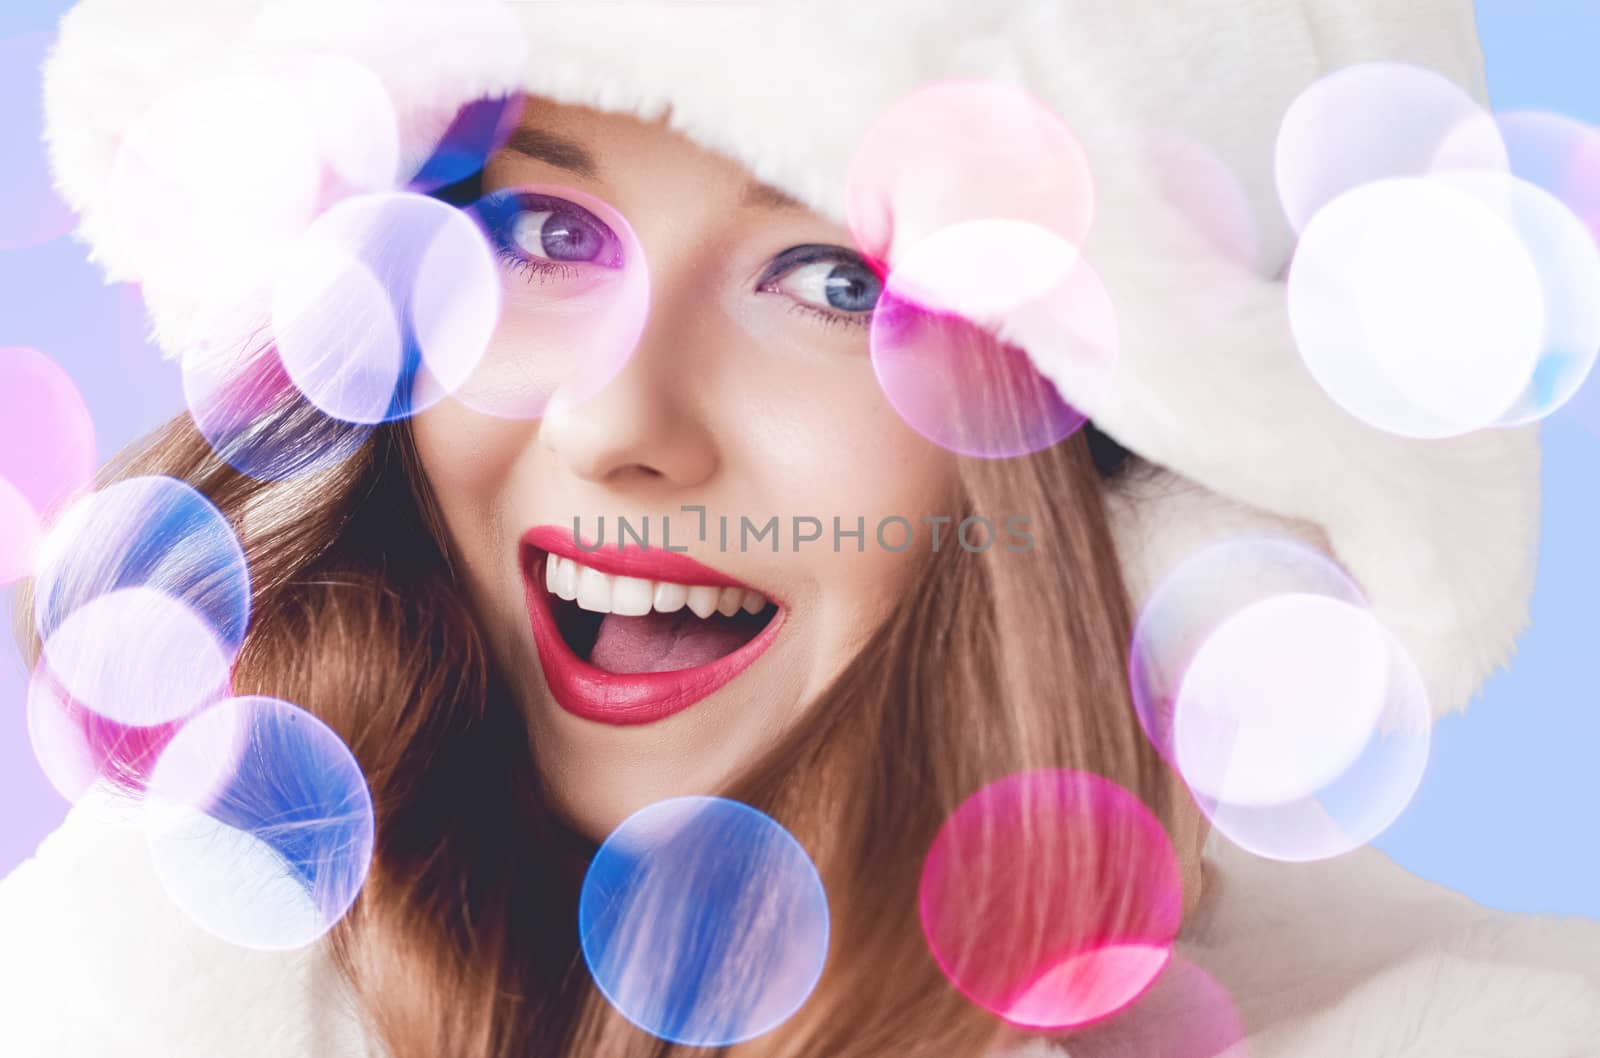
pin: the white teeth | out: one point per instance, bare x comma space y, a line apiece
567, 579
703, 600
630, 596
594, 590
635, 596
670, 597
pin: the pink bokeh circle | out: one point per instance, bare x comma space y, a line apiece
47, 443
1051, 898
1201, 187
77, 748
981, 330
19, 534
1186, 1014
962, 150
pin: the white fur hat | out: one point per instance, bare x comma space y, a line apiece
1440, 534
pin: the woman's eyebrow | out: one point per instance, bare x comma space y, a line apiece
759, 195
552, 149
563, 153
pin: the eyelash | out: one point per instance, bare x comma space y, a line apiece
832, 318
534, 269
540, 270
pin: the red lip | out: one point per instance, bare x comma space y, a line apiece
626, 698
652, 563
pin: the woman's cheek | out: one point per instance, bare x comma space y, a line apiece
849, 469
466, 453
471, 462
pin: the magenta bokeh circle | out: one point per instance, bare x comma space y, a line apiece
1051, 898
47, 452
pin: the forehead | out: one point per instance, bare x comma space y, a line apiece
609, 149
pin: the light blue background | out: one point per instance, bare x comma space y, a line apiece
1507, 811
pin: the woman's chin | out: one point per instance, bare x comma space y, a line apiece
595, 808
597, 775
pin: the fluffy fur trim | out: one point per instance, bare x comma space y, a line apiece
114, 60
1441, 535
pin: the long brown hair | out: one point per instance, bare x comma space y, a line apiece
464, 941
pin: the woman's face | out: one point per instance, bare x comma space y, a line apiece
749, 392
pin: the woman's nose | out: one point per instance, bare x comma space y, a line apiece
650, 423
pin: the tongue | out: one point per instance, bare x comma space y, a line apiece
662, 642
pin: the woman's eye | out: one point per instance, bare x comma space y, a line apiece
831, 280
544, 234
557, 236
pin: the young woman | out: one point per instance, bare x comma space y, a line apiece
511, 699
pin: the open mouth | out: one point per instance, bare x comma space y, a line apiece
629, 636
631, 625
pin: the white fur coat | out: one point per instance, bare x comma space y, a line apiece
1352, 958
